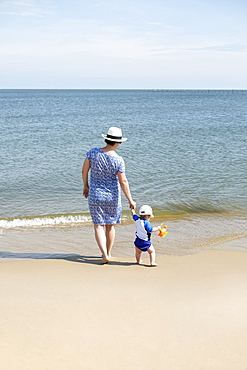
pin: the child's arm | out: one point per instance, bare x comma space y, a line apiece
156, 228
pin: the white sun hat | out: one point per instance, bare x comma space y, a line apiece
146, 210
114, 134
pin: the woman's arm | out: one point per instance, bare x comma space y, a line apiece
126, 190
85, 170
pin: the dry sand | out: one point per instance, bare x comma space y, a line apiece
190, 313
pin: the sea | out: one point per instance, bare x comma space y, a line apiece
186, 157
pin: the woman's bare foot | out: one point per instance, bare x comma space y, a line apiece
105, 260
139, 262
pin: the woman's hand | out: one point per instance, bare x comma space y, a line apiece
85, 191
132, 204
85, 169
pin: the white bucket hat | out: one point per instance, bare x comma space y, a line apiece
146, 210
114, 134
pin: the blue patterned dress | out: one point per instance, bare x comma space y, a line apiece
104, 198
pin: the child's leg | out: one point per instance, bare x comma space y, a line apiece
151, 252
138, 255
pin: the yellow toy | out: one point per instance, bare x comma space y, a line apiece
162, 230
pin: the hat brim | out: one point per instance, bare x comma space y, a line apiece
116, 140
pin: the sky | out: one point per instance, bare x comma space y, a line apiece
123, 44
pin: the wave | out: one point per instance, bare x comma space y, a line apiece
45, 221
84, 219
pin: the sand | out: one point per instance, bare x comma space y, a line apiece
188, 313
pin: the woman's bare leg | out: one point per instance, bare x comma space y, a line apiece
151, 252
110, 238
100, 237
138, 256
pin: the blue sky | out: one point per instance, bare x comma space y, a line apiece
128, 44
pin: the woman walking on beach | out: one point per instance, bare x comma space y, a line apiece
103, 192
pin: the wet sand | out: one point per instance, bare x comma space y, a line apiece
73, 313
186, 235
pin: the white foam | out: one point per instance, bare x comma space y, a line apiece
44, 221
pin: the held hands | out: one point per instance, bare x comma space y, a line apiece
132, 204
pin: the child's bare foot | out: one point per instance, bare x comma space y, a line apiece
139, 262
154, 264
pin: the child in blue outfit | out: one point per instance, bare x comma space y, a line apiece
143, 234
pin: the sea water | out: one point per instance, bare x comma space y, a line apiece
185, 156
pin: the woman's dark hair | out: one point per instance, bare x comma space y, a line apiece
111, 142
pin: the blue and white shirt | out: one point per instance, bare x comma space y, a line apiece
143, 228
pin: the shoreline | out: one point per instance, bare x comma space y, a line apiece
185, 236
189, 312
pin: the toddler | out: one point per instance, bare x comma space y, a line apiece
143, 233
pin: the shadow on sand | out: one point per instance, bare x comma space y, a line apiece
68, 257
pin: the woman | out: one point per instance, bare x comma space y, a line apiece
103, 193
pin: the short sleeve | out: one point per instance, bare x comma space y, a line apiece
89, 154
121, 167
135, 217
148, 226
